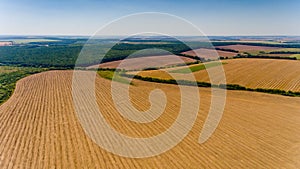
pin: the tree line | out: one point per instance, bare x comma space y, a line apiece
205, 84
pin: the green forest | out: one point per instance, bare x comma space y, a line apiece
64, 53
8, 80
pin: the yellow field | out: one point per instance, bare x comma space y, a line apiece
253, 73
39, 129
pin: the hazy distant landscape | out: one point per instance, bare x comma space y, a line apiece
149, 84
35, 54
261, 113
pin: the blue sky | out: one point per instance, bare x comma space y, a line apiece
213, 17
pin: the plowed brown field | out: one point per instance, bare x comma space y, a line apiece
210, 53
145, 62
39, 129
248, 48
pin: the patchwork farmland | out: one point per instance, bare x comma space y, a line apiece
210, 53
247, 48
39, 128
145, 62
253, 73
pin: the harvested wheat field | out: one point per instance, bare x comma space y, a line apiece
210, 53
248, 48
252, 73
261, 73
39, 129
145, 62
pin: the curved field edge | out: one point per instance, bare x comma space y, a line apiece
50, 135
206, 84
9, 78
250, 73
113, 75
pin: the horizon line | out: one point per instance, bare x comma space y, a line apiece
81, 35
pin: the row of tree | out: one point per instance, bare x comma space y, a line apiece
205, 84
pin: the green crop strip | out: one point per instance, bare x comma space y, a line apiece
196, 68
